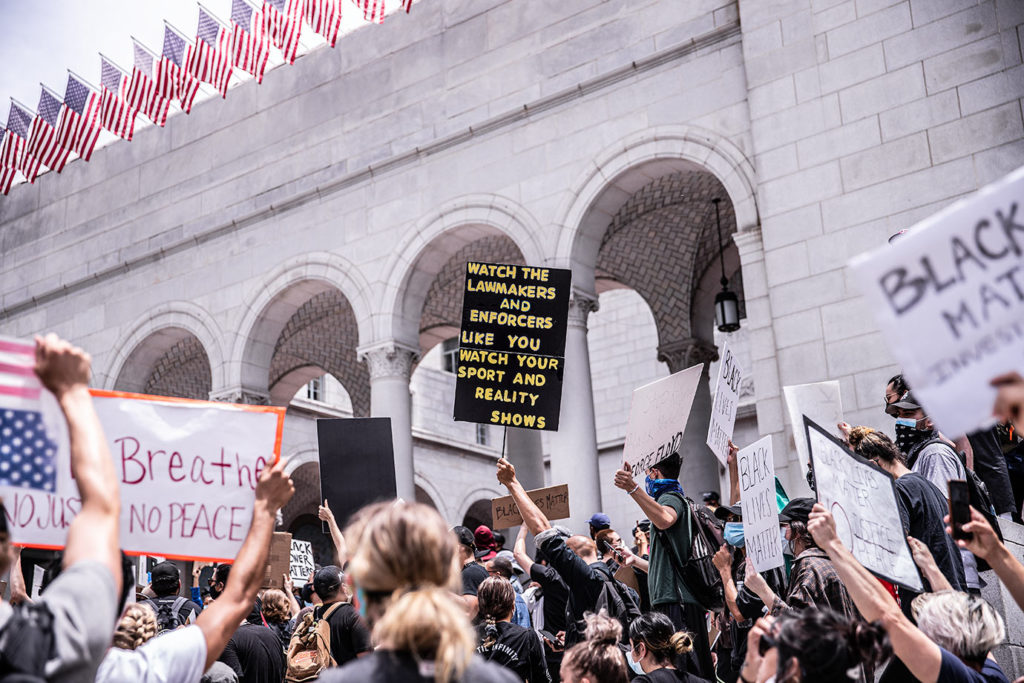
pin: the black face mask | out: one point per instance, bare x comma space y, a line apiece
907, 437
214, 593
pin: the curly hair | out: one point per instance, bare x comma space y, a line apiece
136, 626
276, 609
598, 657
871, 444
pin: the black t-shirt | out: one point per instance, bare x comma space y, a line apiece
517, 649
585, 582
556, 593
922, 507
668, 676
384, 666
955, 671
255, 654
473, 575
349, 634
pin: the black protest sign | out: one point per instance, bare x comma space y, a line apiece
357, 463
512, 345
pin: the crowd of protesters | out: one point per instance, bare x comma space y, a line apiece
409, 599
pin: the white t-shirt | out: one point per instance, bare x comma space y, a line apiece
175, 657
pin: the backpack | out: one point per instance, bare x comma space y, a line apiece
168, 613
26, 644
618, 600
309, 650
698, 571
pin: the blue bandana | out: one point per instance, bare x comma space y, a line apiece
656, 487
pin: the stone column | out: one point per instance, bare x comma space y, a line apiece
700, 466
524, 449
574, 445
390, 366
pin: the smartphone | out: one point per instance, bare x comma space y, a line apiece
551, 638
605, 547
959, 509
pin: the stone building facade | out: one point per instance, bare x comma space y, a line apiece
319, 222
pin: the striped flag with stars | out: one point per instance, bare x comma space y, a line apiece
282, 20
373, 10
116, 116
142, 95
79, 124
250, 49
27, 452
43, 141
7, 173
324, 17
209, 59
19, 121
172, 81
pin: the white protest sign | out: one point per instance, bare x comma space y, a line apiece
186, 470
949, 298
657, 419
723, 409
756, 467
302, 561
862, 499
819, 401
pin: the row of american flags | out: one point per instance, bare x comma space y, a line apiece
70, 125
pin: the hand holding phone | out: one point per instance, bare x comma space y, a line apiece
959, 509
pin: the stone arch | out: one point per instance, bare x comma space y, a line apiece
475, 497
433, 497
628, 165
430, 244
306, 501
176, 341
306, 452
295, 297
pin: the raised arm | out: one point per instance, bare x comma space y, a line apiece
93, 535
220, 619
921, 655
986, 545
519, 550
661, 516
926, 563
723, 563
734, 473
340, 546
533, 518
19, 591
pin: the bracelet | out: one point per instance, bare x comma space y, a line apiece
635, 489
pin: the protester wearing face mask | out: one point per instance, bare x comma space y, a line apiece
654, 645
927, 453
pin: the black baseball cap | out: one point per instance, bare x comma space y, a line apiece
465, 537
906, 402
723, 511
164, 576
327, 581
797, 510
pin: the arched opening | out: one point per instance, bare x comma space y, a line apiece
307, 527
423, 497
168, 362
477, 514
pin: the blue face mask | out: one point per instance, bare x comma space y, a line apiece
634, 665
907, 422
787, 545
656, 487
733, 534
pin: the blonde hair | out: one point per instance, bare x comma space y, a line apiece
964, 624
598, 657
136, 626
276, 609
405, 562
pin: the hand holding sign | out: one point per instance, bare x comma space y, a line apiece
822, 526
60, 365
624, 478
274, 489
506, 472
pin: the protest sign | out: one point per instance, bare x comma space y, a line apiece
862, 499
512, 345
949, 299
819, 401
755, 465
186, 472
301, 564
723, 409
657, 419
552, 501
278, 560
357, 463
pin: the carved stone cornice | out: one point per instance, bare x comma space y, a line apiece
240, 395
685, 353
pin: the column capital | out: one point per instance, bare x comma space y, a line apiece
240, 395
748, 242
679, 355
389, 359
580, 306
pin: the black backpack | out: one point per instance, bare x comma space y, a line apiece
168, 612
698, 571
619, 601
26, 644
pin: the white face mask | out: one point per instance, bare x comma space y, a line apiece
635, 666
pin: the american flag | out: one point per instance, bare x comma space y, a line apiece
324, 17
142, 95
79, 125
116, 116
282, 20
249, 47
19, 121
7, 173
27, 452
209, 60
373, 10
171, 79
43, 141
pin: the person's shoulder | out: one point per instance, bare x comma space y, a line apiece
953, 670
676, 501
482, 671
372, 667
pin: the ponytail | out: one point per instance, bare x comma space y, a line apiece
136, 626
598, 657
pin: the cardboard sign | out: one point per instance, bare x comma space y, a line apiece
301, 563
552, 501
357, 464
862, 499
186, 472
512, 345
278, 560
949, 299
756, 467
723, 410
657, 419
819, 401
